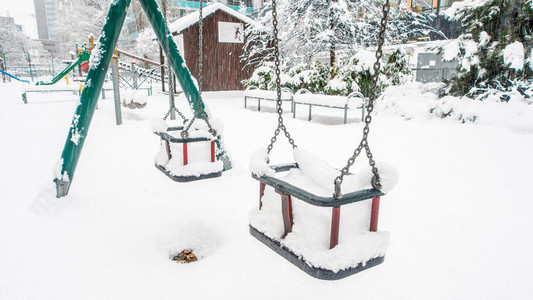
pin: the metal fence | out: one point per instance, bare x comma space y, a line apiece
35, 71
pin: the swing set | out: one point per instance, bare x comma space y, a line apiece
179, 138
102, 56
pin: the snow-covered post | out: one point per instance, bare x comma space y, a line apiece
135, 75
116, 90
100, 60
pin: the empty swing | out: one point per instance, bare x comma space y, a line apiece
185, 153
298, 229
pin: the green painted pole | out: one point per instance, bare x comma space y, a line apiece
157, 21
101, 59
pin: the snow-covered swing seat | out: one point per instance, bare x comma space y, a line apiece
189, 153
298, 230
295, 229
187, 159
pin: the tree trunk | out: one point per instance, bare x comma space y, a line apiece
331, 59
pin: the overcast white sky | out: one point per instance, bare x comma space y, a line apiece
23, 12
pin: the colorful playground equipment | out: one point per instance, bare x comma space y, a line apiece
284, 233
103, 54
49, 86
83, 57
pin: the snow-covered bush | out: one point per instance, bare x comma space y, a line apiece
357, 72
494, 53
349, 75
262, 77
337, 86
397, 70
420, 101
314, 79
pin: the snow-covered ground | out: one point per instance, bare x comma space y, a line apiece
459, 218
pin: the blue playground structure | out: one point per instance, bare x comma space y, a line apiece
18, 79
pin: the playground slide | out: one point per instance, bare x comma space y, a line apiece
84, 56
21, 80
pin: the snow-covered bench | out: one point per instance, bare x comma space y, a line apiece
305, 97
253, 92
74, 88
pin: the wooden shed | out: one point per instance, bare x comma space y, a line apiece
223, 42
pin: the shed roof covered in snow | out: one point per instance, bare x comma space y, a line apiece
191, 19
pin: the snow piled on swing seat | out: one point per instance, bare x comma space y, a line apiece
198, 153
310, 236
317, 176
198, 156
259, 163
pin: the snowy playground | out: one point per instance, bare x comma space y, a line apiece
458, 217
351, 181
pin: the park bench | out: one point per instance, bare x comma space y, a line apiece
253, 92
305, 97
74, 88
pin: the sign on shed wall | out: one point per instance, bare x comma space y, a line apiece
230, 32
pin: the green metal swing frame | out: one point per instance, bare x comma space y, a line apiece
99, 65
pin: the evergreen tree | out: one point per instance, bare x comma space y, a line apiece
494, 48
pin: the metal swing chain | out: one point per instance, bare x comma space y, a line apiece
176, 110
376, 183
281, 126
200, 110
173, 106
170, 83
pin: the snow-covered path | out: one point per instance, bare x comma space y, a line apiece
459, 217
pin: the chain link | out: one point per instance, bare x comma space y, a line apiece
376, 182
170, 74
281, 126
176, 110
